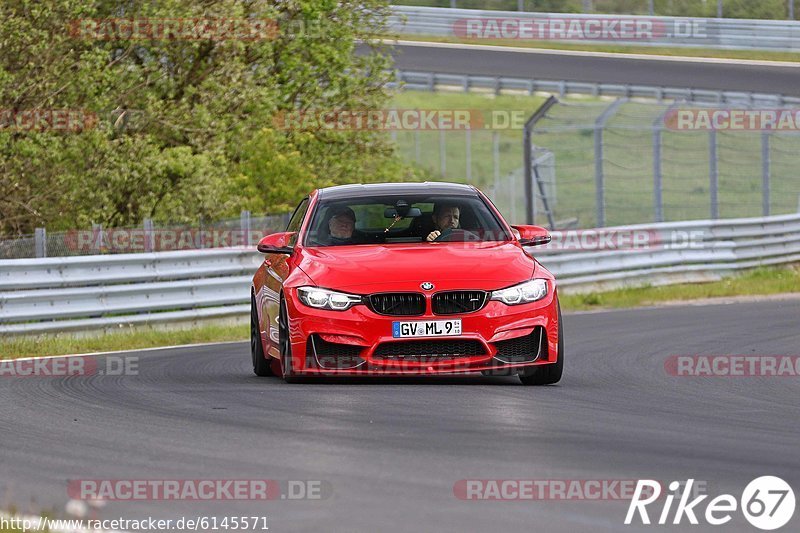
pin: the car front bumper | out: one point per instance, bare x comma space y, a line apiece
498, 338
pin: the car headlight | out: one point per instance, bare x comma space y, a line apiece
327, 299
524, 293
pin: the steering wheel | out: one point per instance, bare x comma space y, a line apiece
456, 235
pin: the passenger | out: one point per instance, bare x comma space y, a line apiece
342, 225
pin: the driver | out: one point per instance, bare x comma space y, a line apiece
445, 217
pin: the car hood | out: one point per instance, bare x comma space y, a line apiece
378, 268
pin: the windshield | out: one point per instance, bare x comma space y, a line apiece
404, 219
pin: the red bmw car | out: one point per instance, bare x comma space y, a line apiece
404, 279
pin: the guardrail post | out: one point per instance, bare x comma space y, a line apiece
765, 174
244, 226
148, 235
417, 148
713, 174
40, 242
520, 5
719, 9
599, 178
791, 9
651, 8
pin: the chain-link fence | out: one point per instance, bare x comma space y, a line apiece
605, 163
490, 160
631, 162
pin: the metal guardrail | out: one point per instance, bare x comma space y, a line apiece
88, 292
674, 252
432, 81
81, 293
729, 34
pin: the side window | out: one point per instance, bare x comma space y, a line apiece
297, 219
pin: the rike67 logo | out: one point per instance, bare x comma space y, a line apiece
767, 502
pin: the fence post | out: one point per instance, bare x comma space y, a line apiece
765, 174
453, 4
791, 9
658, 177
148, 235
587, 6
599, 178
658, 184
520, 5
468, 161
719, 9
496, 157
417, 148
651, 7
98, 238
442, 154
40, 242
713, 174
244, 226
528, 164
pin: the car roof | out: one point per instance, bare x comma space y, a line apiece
376, 189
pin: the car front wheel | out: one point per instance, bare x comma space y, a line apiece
547, 374
261, 366
285, 346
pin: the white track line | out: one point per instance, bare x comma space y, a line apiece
646, 57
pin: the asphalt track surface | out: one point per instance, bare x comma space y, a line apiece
392, 449
555, 65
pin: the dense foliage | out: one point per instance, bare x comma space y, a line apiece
184, 125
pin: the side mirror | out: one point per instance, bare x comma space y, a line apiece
532, 235
276, 243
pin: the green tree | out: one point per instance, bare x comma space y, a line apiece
181, 122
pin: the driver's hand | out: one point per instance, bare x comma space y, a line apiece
433, 235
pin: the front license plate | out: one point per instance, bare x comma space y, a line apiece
426, 328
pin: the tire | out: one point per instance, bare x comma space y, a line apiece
284, 346
547, 374
261, 365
